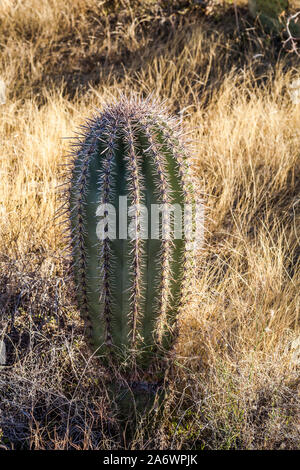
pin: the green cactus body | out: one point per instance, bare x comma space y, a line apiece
130, 291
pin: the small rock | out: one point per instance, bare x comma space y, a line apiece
2, 92
2, 353
295, 91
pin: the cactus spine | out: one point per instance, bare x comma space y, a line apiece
130, 291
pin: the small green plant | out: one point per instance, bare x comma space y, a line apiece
271, 13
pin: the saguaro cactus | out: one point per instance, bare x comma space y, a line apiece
130, 290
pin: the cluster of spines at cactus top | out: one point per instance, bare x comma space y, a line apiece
130, 291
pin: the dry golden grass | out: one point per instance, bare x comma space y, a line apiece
236, 383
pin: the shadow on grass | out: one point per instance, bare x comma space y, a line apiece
74, 65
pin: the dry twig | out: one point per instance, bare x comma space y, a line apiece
292, 39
